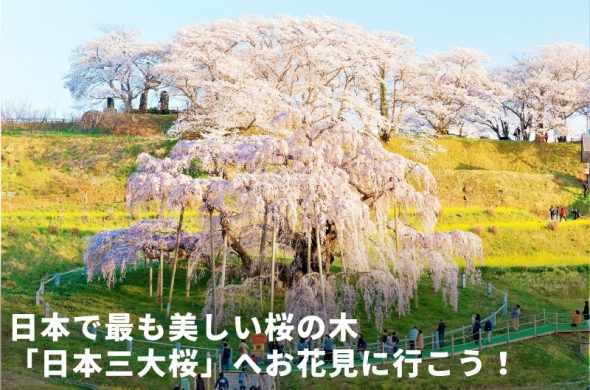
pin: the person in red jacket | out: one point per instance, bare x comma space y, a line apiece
576, 318
562, 214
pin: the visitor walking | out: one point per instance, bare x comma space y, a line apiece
563, 214
576, 318
243, 348
361, 346
586, 311
412, 336
328, 348
553, 213
487, 327
199, 383
420, 342
301, 346
225, 356
585, 188
383, 340
389, 344
515, 317
222, 383
576, 214
441, 333
395, 342
243, 379
476, 329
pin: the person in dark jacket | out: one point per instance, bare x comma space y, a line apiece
586, 311
199, 383
441, 333
222, 383
476, 328
361, 346
487, 327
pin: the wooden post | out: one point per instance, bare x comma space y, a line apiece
320, 265
161, 278
452, 344
309, 251
535, 325
556, 322
464, 281
508, 330
213, 281
187, 286
273, 265
463, 332
151, 278
180, 219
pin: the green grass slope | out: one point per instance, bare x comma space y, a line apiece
61, 187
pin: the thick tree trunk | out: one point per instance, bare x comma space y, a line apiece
143, 101
235, 245
384, 132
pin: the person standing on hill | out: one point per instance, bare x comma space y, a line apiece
515, 317
222, 382
225, 357
243, 378
328, 348
420, 342
243, 348
552, 213
199, 383
487, 327
412, 336
301, 346
563, 214
576, 318
441, 333
576, 214
395, 342
361, 346
476, 328
586, 311
585, 188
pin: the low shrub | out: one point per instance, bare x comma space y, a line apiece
477, 230
52, 229
492, 229
552, 225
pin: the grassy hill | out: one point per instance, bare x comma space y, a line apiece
60, 187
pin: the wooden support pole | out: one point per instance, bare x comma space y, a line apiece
151, 278
213, 276
273, 266
175, 265
309, 251
320, 265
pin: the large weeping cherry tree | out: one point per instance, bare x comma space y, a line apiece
325, 191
